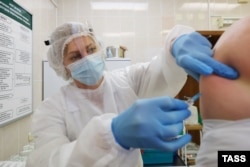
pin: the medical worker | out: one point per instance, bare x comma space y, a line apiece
102, 118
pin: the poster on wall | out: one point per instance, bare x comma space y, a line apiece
15, 62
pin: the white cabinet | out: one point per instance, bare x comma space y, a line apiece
115, 63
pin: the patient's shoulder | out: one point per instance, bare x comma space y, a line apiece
224, 98
233, 48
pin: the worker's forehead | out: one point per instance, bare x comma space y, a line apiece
81, 42
82, 39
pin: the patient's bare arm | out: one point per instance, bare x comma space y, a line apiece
229, 99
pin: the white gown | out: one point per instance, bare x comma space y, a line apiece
73, 127
222, 135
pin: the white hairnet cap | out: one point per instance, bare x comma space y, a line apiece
61, 36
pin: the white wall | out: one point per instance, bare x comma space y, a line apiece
143, 31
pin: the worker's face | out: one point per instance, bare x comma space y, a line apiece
76, 52
79, 48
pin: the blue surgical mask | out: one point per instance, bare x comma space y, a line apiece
88, 70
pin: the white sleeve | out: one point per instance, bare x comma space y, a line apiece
162, 76
99, 148
94, 147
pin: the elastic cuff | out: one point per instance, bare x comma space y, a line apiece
115, 137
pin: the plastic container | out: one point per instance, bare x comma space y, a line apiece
157, 157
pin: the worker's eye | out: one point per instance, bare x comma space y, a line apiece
75, 57
91, 50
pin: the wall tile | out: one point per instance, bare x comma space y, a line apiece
10, 140
1, 144
70, 8
24, 127
154, 26
154, 8
84, 8
141, 26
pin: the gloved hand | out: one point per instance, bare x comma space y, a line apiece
151, 123
193, 52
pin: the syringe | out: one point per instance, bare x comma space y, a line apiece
190, 100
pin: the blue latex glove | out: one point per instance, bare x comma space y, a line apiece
151, 123
193, 52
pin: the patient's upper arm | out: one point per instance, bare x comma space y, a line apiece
223, 98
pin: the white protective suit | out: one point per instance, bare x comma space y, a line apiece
222, 135
73, 127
